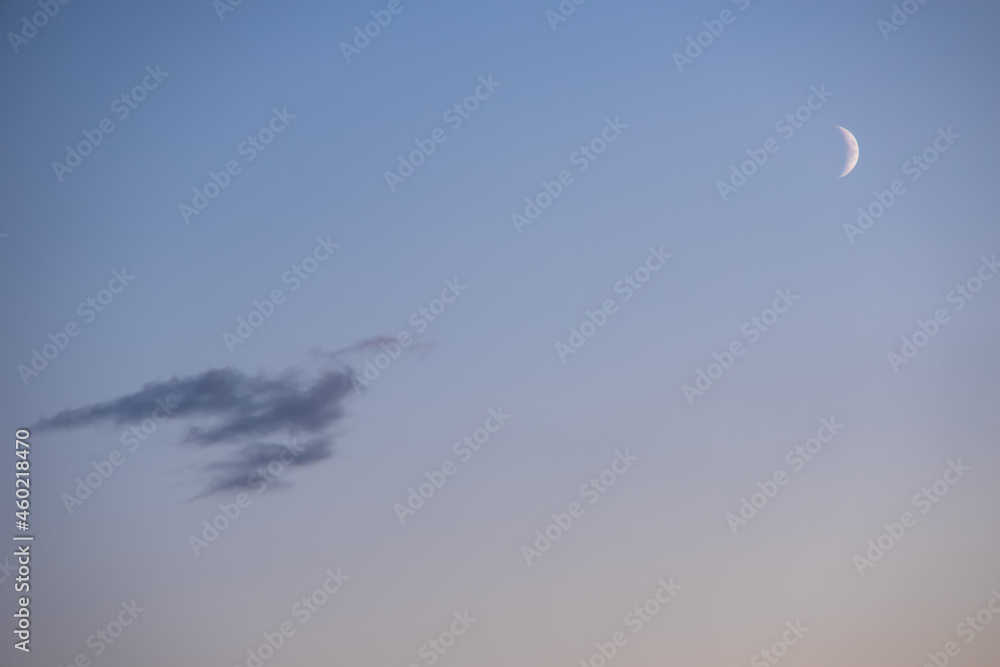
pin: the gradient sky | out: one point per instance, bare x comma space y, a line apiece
495, 345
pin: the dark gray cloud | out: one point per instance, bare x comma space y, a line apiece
374, 344
261, 465
241, 410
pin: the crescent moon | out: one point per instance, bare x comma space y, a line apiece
853, 153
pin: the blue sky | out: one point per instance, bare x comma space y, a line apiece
323, 176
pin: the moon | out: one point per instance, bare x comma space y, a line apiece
852, 151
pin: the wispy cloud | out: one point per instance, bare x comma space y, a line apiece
241, 410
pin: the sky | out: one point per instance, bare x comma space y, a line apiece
563, 340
